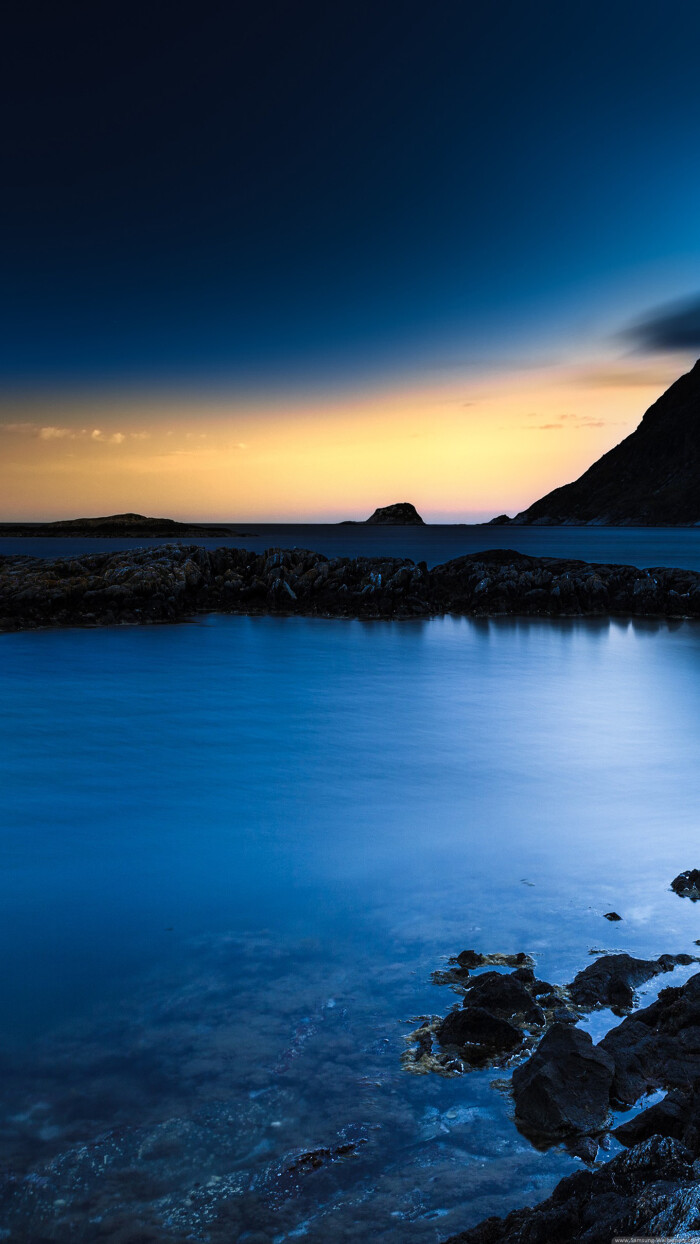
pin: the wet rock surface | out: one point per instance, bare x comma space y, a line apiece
651, 1190
565, 1086
611, 980
173, 582
658, 1047
687, 884
677, 1116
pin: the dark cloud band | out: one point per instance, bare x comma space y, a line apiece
673, 327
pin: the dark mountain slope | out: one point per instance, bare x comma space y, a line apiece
652, 478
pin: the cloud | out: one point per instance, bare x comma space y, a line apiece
55, 434
569, 421
622, 377
116, 438
17, 427
674, 326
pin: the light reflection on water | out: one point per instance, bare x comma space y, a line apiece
233, 852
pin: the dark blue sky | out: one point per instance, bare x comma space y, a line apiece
276, 192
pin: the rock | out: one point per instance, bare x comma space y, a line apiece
687, 884
649, 1191
173, 582
473, 959
658, 1047
610, 980
506, 996
677, 1116
479, 1034
565, 1086
611, 915
401, 514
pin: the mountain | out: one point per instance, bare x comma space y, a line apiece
400, 514
651, 479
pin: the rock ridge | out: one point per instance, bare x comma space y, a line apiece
169, 583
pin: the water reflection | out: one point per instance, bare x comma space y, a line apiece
233, 853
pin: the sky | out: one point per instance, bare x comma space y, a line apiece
291, 261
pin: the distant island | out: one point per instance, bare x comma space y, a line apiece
137, 526
651, 479
400, 514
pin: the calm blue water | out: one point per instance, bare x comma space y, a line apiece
233, 852
632, 546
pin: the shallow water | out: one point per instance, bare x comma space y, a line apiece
433, 543
233, 852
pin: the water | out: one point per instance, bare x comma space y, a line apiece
434, 543
233, 852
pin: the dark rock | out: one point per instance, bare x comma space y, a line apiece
173, 582
651, 1190
611, 915
503, 995
488, 1034
400, 514
652, 478
473, 959
584, 1147
677, 1116
687, 884
135, 526
610, 981
658, 1047
565, 1086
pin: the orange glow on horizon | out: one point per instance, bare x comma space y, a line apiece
458, 451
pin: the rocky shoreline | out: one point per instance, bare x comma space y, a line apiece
565, 1088
169, 583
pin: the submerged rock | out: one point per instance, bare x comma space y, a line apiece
565, 1086
687, 884
651, 1190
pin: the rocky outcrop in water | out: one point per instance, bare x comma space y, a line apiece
652, 478
687, 884
400, 514
565, 1091
611, 980
652, 1190
565, 1087
658, 1047
172, 582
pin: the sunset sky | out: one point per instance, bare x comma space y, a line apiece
293, 261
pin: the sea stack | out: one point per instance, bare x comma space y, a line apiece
401, 514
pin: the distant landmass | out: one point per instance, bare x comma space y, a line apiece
401, 514
651, 479
136, 525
